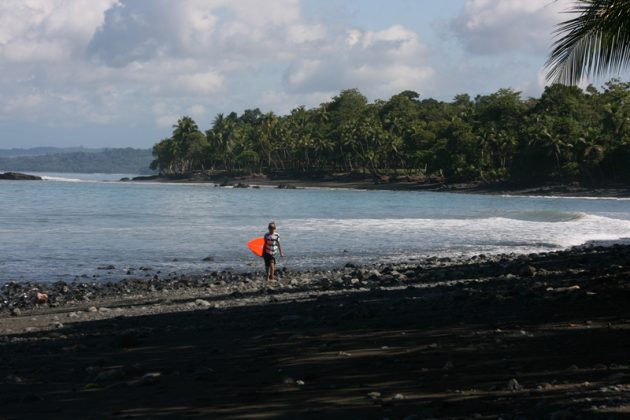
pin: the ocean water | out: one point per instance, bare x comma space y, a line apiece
68, 225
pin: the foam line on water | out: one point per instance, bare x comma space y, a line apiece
565, 197
61, 179
495, 231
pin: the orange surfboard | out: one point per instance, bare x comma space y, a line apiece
256, 246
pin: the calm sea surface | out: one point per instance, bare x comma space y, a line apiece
69, 225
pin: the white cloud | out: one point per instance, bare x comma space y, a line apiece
199, 83
508, 26
109, 60
140, 62
48, 29
22, 103
380, 63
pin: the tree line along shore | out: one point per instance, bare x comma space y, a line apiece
567, 135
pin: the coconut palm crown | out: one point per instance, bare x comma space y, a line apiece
594, 42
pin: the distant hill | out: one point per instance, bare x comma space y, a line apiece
127, 160
40, 151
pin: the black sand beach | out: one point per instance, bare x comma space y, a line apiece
541, 336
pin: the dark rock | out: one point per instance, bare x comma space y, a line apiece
209, 258
149, 379
106, 267
513, 385
241, 185
286, 187
16, 176
528, 271
16, 312
145, 178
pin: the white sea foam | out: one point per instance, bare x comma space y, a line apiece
495, 232
565, 197
62, 179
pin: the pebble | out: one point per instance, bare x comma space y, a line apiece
202, 302
150, 379
374, 395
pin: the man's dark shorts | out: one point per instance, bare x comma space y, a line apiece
269, 259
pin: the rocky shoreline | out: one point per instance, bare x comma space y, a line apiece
402, 183
16, 297
511, 336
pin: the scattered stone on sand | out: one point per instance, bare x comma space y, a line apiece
209, 258
106, 267
16, 312
202, 302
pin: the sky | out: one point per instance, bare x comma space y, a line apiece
118, 73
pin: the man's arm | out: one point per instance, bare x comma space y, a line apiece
280, 248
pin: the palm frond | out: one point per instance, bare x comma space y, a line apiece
593, 43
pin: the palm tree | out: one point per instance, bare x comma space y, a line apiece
594, 42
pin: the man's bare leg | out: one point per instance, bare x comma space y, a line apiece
272, 271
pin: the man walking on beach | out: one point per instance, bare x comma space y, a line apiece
271, 249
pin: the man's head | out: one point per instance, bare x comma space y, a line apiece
271, 227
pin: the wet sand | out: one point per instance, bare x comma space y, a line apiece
538, 336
